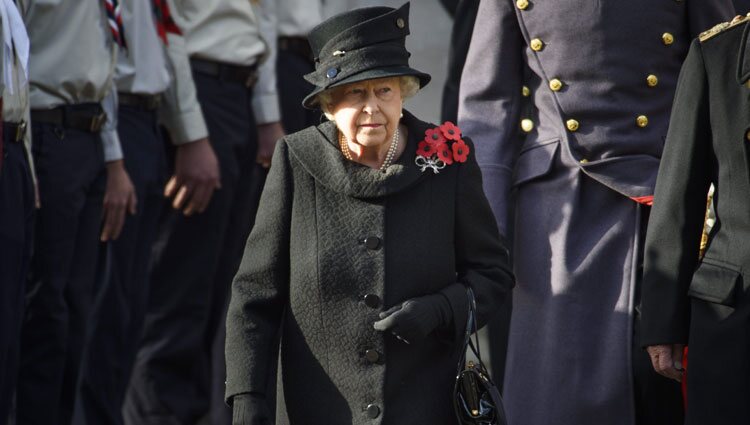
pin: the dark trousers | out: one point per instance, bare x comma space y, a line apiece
290, 67
120, 306
16, 223
194, 261
71, 178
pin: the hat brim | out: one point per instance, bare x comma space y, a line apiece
311, 101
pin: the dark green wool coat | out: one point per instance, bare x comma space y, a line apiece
705, 303
307, 270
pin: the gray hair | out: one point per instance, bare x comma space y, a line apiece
409, 87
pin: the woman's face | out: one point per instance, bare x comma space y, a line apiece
368, 112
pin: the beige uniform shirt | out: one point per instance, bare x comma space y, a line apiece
149, 67
72, 59
229, 31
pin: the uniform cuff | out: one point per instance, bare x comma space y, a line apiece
187, 127
266, 108
112, 148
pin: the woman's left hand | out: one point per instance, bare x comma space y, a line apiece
414, 319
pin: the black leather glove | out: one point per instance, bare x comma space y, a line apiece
250, 409
414, 319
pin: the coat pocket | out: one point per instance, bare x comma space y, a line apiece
535, 162
715, 283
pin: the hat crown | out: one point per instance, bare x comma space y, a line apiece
359, 28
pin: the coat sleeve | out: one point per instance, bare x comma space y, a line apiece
490, 100
481, 258
261, 287
676, 222
704, 14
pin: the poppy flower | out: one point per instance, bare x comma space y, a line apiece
444, 154
460, 151
450, 131
434, 137
426, 149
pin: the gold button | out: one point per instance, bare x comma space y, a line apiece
572, 125
525, 91
400, 23
536, 44
747, 135
522, 4
527, 125
584, 161
642, 121
667, 38
651, 80
555, 84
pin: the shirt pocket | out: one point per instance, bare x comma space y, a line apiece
535, 162
716, 283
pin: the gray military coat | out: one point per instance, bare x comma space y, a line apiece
705, 303
334, 244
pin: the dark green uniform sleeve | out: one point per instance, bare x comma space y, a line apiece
481, 258
261, 286
676, 222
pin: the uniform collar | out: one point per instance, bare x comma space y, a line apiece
322, 158
743, 62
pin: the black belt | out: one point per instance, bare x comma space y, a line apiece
16, 130
148, 102
298, 45
245, 75
87, 117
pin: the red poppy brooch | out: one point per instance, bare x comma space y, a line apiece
441, 147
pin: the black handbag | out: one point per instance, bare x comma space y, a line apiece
476, 398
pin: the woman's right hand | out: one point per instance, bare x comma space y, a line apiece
250, 409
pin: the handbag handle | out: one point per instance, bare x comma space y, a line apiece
471, 328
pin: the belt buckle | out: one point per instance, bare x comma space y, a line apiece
154, 102
20, 131
97, 122
251, 79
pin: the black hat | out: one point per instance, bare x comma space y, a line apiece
362, 44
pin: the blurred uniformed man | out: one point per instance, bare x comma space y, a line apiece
148, 79
81, 179
16, 195
197, 253
603, 75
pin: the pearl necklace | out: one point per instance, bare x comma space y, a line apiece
389, 156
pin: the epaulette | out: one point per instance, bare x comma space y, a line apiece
719, 28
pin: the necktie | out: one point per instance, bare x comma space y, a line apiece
114, 19
164, 22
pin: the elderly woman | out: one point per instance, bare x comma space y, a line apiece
370, 229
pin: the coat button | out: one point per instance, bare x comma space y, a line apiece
373, 411
372, 300
536, 44
372, 242
522, 4
642, 121
527, 125
572, 125
667, 38
555, 84
525, 91
652, 80
584, 161
372, 356
332, 72
400, 23
747, 135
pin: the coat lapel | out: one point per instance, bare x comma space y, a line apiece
319, 154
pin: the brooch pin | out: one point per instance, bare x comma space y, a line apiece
441, 147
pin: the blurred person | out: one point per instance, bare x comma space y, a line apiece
331, 263
602, 80
16, 195
152, 75
197, 250
704, 302
84, 191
